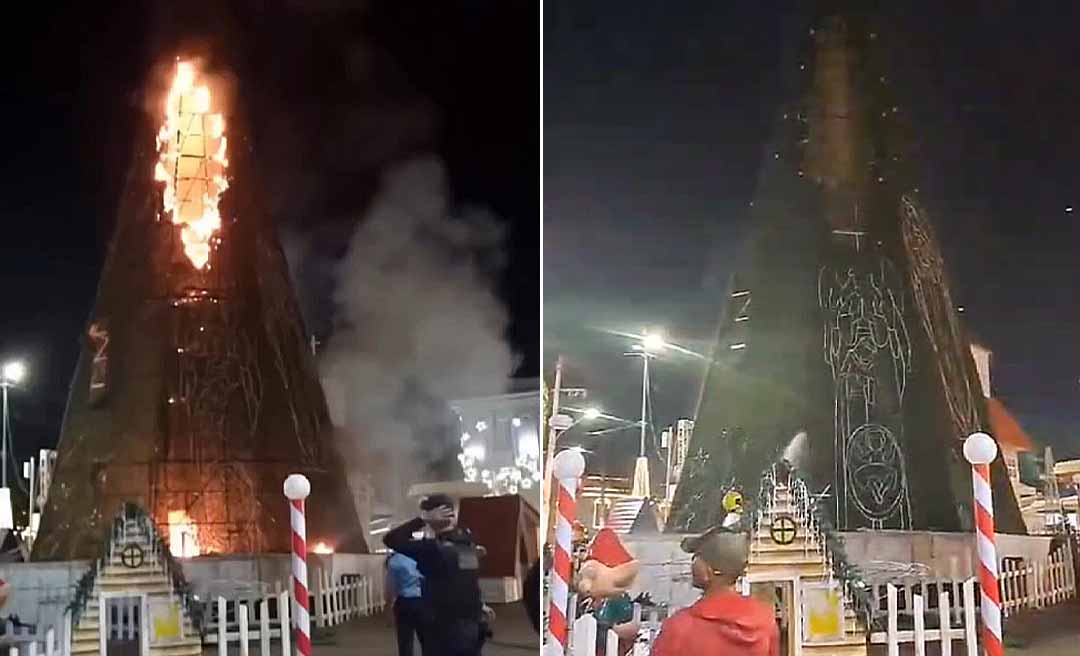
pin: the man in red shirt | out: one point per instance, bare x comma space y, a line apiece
722, 622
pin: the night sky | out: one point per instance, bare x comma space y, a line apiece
338, 90
655, 123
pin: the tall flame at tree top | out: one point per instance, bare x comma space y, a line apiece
192, 163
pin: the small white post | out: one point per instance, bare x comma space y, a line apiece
13, 651
894, 638
945, 623
50, 640
969, 618
242, 613
222, 614
1036, 578
920, 625
331, 607
612, 645
264, 628
33, 648
320, 603
283, 622
104, 622
584, 636
67, 632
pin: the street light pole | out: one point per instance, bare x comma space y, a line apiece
549, 457
644, 398
10, 374
650, 343
4, 443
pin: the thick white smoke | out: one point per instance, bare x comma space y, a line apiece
417, 323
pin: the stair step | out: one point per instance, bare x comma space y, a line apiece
85, 647
839, 648
787, 558
808, 570
121, 570
185, 648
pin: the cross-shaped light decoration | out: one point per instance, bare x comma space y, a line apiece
857, 235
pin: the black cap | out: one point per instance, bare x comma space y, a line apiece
436, 501
726, 552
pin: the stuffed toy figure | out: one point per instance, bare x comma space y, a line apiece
603, 580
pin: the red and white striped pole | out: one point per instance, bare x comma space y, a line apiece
980, 450
297, 488
567, 467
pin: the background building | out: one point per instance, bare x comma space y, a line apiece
500, 440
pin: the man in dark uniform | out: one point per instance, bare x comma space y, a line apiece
450, 563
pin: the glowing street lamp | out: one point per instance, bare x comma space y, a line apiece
653, 342
12, 373
591, 413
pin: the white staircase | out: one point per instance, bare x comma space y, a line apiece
805, 556
623, 514
129, 579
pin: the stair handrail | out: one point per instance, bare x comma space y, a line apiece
831, 542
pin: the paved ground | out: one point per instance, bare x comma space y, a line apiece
1051, 632
514, 636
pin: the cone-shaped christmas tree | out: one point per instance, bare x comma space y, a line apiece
196, 393
840, 322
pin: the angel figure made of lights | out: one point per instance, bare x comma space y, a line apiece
868, 351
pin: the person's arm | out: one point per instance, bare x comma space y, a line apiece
424, 552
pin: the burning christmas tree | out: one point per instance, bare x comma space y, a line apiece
195, 394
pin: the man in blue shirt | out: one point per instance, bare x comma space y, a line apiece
410, 611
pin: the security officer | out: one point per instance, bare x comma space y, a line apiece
450, 563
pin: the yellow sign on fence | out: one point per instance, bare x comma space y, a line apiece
165, 620
823, 613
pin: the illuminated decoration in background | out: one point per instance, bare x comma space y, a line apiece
183, 538
481, 462
935, 306
322, 548
192, 162
868, 350
99, 368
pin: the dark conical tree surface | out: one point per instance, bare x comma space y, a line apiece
840, 321
196, 393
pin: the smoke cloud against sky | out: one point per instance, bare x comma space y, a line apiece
417, 322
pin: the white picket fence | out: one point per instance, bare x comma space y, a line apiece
1038, 585
47, 646
50, 642
266, 618
583, 631
948, 629
583, 638
259, 619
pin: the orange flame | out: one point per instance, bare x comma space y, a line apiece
183, 538
322, 548
192, 163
